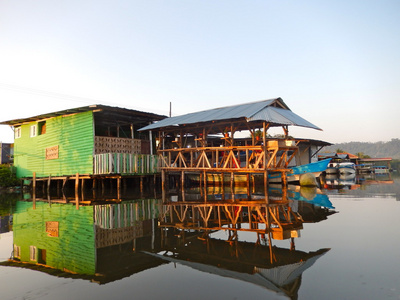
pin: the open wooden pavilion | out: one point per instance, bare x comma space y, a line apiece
213, 148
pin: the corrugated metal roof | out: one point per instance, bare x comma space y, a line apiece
108, 113
273, 111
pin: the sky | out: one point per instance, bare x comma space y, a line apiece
334, 63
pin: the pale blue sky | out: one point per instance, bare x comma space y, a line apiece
335, 63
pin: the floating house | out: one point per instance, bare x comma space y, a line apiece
216, 150
90, 141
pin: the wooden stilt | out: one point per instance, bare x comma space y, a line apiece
48, 190
284, 179
222, 187
34, 190
77, 190
119, 188
163, 180
232, 182
205, 181
248, 186
64, 183
266, 186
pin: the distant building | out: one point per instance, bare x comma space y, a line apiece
6, 153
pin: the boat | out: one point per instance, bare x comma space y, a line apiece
347, 168
314, 168
332, 168
364, 168
380, 169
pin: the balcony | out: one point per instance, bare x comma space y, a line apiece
123, 156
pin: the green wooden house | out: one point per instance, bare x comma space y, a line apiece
90, 140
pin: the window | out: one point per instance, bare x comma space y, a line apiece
32, 253
42, 127
33, 130
17, 132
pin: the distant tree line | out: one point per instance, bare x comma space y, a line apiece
366, 150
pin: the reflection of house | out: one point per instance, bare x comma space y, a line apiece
74, 241
95, 139
276, 269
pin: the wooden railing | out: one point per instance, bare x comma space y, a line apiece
125, 163
275, 156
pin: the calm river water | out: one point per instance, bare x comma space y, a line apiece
338, 242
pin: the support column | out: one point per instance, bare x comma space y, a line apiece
34, 190
232, 183
266, 186
77, 191
163, 180
119, 188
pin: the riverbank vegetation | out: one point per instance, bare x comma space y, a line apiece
8, 177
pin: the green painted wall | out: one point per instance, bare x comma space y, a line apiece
74, 248
74, 136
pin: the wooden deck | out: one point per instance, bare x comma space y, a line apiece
275, 156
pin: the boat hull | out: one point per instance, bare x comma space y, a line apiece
315, 168
347, 168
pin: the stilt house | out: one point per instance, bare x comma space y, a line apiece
217, 151
91, 140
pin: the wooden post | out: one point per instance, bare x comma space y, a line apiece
119, 188
264, 146
248, 186
222, 187
48, 184
83, 185
205, 181
232, 183
284, 180
182, 180
266, 186
34, 190
163, 180
48, 189
77, 190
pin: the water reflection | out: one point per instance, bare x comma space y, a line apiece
223, 232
